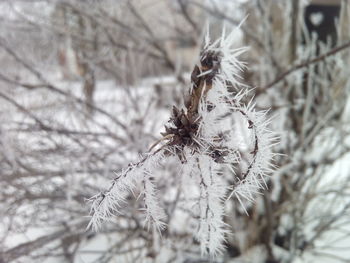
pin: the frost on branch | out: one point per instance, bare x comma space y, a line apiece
107, 203
222, 143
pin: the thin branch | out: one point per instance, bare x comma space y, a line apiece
304, 65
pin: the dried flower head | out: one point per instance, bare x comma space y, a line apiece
215, 137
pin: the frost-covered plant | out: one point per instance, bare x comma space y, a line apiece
224, 146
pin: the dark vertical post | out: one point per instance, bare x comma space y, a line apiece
320, 17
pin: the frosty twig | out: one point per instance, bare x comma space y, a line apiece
204, 137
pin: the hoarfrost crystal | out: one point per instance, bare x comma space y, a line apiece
223, 144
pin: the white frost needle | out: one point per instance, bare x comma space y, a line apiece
205, 138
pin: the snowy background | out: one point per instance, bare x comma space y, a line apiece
86, 87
